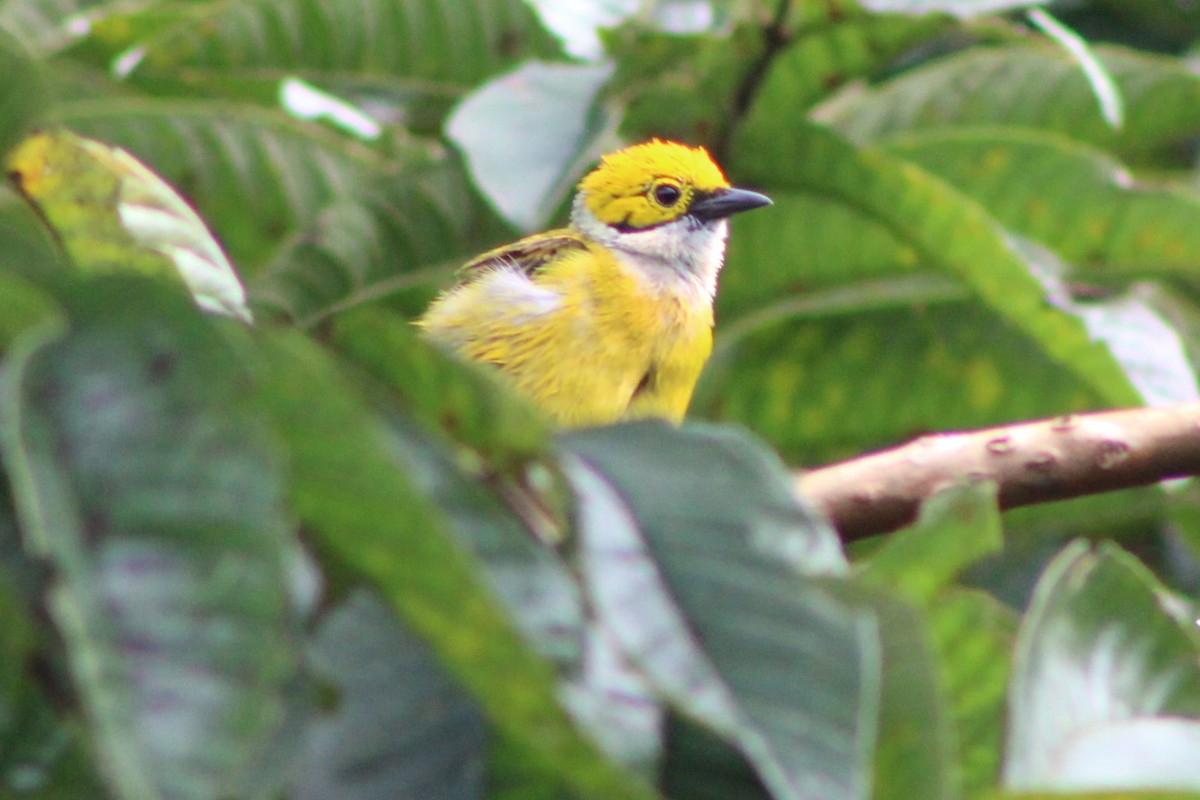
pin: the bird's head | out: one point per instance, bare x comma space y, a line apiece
662, 200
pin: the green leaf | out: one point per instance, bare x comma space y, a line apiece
457, 44
21, 101
1107, 94
528, 134
946, 229
254, 175
829, 385
847, 46
400, 232
680, 518
916, 749
352, 489
1074, 199
44, 24
151, 485
113, 214
441, 391
959, 8
1101, 660
401, 727
973, 634
1028, 86
955, 527
40, 756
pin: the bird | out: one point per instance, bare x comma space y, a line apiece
611, 317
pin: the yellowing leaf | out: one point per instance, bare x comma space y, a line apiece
112, 214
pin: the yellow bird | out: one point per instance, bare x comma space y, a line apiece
610, 318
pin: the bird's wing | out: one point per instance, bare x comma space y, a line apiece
528, 255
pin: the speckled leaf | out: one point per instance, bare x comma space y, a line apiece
1074, 199
948, 231
112, 214
825, 386
147, 479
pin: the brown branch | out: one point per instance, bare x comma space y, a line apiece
1031, 462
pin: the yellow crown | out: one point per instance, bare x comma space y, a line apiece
649, 183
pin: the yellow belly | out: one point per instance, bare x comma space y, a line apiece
585, 337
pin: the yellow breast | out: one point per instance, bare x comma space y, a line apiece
589, 338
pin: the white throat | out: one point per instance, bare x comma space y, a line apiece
684, 256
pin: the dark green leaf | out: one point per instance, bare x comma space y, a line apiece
352, 489
655, 568
400, 728
150, 484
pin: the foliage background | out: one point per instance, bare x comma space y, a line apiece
960, 238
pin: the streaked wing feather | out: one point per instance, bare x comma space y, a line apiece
529, 254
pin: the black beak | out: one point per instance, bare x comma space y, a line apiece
724, 202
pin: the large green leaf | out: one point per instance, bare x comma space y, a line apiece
973, 634
458, 44
670, 521
946, 229
401, 232
827, 53
351, 486
1106, 688
1032, 86
825, 385
401, 727
149, 482
968, 630
1074, 199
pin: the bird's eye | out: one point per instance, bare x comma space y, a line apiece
667, 194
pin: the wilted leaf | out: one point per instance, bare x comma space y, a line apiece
112, 214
